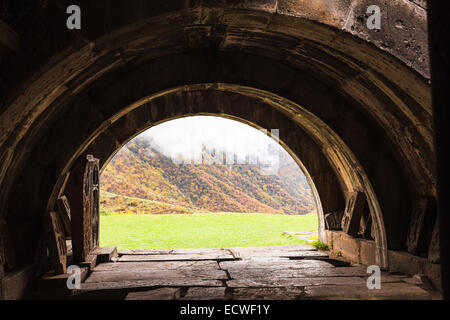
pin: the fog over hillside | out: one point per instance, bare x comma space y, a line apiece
207, 164
185, 138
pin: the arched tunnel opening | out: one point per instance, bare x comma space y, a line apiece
352, 105
205, 182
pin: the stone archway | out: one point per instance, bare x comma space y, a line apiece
366, 107
343, 174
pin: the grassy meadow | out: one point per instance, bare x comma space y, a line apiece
201, 230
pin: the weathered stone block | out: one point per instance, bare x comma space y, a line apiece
367, 252
287, 293
214, 293
348, 246
406, 262
155, 294
16, 284
433, 272
396, 291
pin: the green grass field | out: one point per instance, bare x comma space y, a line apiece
211, 230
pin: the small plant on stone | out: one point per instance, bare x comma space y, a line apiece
320, 245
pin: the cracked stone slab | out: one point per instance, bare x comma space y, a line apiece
292, 254
155, 294
268, 251
134, 284
261, 273
394, 291
157, 265
157, 275
294, 282
215, 293
268, 273
217, 251
274, 264
175, 257
290, 293
144, 251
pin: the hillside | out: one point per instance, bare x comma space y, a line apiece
140, 179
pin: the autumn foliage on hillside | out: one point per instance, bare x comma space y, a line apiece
140, 171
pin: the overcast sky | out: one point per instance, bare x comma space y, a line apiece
185, 136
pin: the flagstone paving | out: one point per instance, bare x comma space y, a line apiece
249, 273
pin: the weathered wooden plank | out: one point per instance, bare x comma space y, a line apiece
74, 193
365, 227
58, 282
175, 257
105, 254
353, 212
421, 226
91, 189
64, 213
117, 276
82, 191
157, 265
56, 241
90, 262
333, 220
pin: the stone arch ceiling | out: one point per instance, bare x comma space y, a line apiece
369, 87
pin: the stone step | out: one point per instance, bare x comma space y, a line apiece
175, 257
157, 265
156, 275
140, 284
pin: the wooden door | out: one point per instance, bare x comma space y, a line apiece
83, 194
91, 201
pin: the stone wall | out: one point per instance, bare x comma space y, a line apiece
364, 251
360, 98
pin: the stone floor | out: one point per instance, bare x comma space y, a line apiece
284, 272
